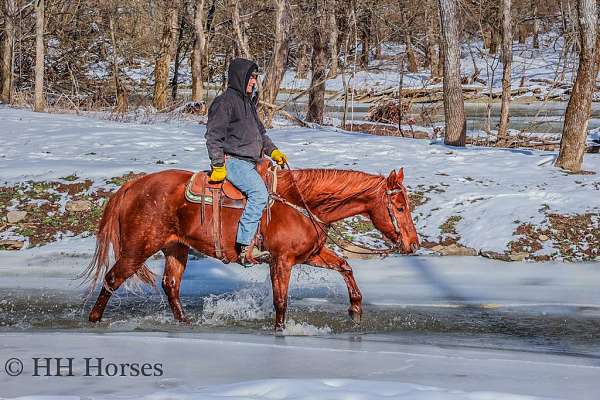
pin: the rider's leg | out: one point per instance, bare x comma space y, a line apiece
243, 175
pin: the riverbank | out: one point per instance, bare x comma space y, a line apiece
480, 198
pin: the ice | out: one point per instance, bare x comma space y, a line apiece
233, 366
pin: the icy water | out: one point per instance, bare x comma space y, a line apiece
531, 117
572, 330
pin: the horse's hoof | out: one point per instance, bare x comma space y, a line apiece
184, 321
94, 318
279, 330
355, 316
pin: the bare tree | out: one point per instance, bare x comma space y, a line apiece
413, 66
316, 99
38, 103
432, 40
120, 91
454, 107
536, 25
199, 52
333, 38
303, 60
180, 50
277, 65
573, 142
597, 71
505, 9
8, 51
365, 33
161, 70
240, 36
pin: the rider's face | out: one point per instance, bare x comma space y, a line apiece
251, 83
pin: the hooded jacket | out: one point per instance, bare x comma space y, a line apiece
233, 125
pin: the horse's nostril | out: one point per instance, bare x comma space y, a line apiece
414, 247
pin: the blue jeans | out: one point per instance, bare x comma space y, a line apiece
242, 174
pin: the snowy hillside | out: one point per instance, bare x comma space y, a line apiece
477, 197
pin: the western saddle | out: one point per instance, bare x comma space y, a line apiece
201, 190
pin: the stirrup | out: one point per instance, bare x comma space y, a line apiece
250, 256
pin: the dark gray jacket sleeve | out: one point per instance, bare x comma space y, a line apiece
268, 145
216, 131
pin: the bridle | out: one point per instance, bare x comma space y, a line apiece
390, 207
321, 226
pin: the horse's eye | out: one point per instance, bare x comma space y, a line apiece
401, 209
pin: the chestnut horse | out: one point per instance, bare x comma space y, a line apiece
151, 214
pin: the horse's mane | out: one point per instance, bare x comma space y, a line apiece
327, 188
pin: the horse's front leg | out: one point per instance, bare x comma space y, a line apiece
326, 258
281, 270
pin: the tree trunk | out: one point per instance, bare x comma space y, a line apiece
410, 54
179, 48
441, 56
432, 41
573, 142
303, 60
536, 25
198, 54
493, 40
243, 50
8, 51
333, 38
454, 107
506, 68
121, 93
365, 36
316, 99
161, 70
278, 63
522, 33
38, 103
597, 70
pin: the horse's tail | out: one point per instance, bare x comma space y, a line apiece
109, 235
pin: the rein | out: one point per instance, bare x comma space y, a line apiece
318, 224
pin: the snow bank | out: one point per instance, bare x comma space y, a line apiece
492, 190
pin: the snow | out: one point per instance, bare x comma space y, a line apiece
488, 188
213, 366
529, 64
493, 190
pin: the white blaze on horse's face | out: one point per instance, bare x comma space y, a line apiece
397, 206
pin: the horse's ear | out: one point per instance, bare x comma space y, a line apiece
391, 180
400, 176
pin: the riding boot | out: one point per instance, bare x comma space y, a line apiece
249, 255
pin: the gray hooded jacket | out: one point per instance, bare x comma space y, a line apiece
233, 125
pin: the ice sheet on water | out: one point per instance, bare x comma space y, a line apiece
310, 389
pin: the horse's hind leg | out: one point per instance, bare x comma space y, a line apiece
123, 269
326, 258
176, 255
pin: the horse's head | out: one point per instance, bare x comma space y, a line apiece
391, 213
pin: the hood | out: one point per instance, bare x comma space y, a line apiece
239, 74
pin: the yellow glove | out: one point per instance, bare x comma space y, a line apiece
218, 174
279, 157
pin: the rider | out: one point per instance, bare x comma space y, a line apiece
236, 139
